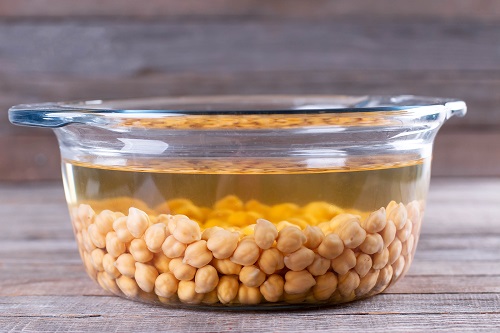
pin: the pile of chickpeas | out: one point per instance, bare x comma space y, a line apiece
176, 259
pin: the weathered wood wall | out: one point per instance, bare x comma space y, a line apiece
60, 50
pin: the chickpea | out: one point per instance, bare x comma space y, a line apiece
283, 224
283, 211
197, 254
247, 252
128, 286
404, 233
249, 295
398, 215
166, 285
145, 276
87, 242
96, 257
322, 211
271, 260
319, 266
255, 206
272, 288
104, 221
407, 246
383, 280
89, 267
241, 219
186, 231
122, 232
398, 267
98, 239
139, 250
108, 263
181, 271
290, 239
206, 279
227, 289
373, 243
331, 246
249, 230
375, 222
395, 251
298, 282
230, 202
300, 259
343, 263
86, 215
314, 237
388, 233
352, 234
222, 243
226, 266
347, 283
173, 248
107, 283
187, 293
251, 276
325, 286
363, 264
380, 259
295, 298
265, 234
125, 264
161, 262
367, 283
207, 233
413, 209
155, 236
210, 297
113, 244
390, 207
137, 222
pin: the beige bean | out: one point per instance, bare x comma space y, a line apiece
139, 250
251, 276
300, 259
122, 232
395, 251
298, 282
98, 239
186, 231
272, 289
89, 267
363, 264
104, 221
181, 271
398, 267
145, 276
247, 252
381, 259
319, 266
87, 242
331, 246
283, 224
96, 257
128, 286
226, 266
404, 233
207, 233
352, 234
343, 263
86, 215
384, 279
197, 254
347, 283
373, 243
249, 295
271, 260
125, 264
290, 239
155, 236
210, 297
108, 263
265, 234
407, 246
399, 216
173, 248
325, 286
413, 209
222, 243
393, 204
161, 262
166, 285
227, 289
389, 233
295, 298
314, 236
137, 222
206, 279
367, 283
108, 283
187, 293
375, 222
113, 245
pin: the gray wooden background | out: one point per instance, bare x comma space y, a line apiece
64, 50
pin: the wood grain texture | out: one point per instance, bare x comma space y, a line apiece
453, 285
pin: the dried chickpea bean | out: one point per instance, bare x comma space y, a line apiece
207, 233
272, 289
222, 243
108, 263
384, 278
227, 289
161, 262
290, 239
128, 286
367, 283
352, 234
314, 237
298, 282
187, 293
186, 231
96, 257
398, 267
363, 264
248, 230
247, 252
230, 202
373, 243
166, 285
389, 233
145, 276
125, 264
390, 207
155, 236
249, 295
343, 263
380, 259
331, 246
395, 251
122, 232
319, 266
87, 242
413, 209
407, 246
322, 211
399, 216
251, 276
107, 283
172, 248
265, 234
271, 260
300, 259
347, 283
137, 222
139, 250
98, 239
104, 221
295, 298
375, 222
226, 266
181, 271
197, 254
113, 245
210, 297
86, 215
325, 286
404, 233
87, 261
206, 279
283, 224
255, 206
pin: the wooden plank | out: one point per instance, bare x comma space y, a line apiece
484, 10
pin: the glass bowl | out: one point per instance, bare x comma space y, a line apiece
246, 201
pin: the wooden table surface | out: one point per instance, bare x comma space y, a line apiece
453, 285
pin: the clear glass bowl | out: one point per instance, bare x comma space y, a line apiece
246, 201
